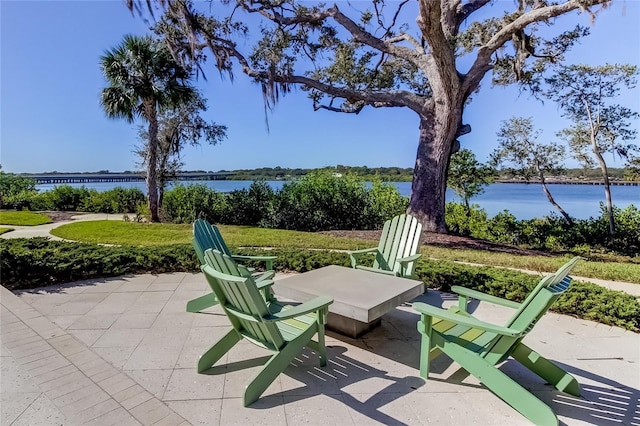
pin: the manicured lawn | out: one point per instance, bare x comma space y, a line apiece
617, 271
24, 218
3, 230
144, 234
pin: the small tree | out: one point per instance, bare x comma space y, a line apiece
524, 157
177, 127
467, 177
585, 95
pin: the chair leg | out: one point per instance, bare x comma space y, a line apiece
202, 302
322, 348
276, 365
221, 347
502, 385
547, 370
424, 327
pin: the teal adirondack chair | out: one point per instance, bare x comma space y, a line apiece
479, 346
281, 328
398, 248
207, 236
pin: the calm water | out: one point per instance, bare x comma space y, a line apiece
525, 201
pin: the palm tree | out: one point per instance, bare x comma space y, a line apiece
144, 79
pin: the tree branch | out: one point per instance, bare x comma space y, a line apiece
483, 61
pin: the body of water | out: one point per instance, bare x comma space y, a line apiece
525, 201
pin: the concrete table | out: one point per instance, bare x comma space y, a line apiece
360, 297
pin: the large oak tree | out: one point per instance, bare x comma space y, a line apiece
426, 55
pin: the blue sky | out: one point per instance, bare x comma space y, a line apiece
50, 118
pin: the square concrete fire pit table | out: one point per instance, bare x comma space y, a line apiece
360, 298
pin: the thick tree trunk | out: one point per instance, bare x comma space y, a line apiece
152, 159
430, 173
551, 199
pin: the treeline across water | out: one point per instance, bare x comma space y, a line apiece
399, 174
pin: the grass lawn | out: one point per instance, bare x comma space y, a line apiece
3, 230
23, 218
617, 271
144, 234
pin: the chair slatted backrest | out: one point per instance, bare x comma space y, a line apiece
546, 292
241, 300
207, 236
400, 238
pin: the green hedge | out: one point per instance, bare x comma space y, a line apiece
36, 262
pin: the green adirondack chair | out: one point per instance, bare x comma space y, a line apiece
479, 346
398, 248
281, 328
207, 236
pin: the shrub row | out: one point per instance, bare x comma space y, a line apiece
29, 263
315, 202
551, 233
68, 198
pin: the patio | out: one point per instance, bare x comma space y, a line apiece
123, 351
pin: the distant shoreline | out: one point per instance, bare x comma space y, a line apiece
88, 177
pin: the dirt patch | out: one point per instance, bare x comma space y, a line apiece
60, 216
446, 241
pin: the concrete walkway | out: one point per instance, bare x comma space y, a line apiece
44, 230
123, 351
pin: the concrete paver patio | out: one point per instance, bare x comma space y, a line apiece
123, 351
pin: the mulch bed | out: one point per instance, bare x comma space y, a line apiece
445, 241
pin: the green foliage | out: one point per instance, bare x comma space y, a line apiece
5, 230
184, 204
466, 221
116, 200
249, 207
552, 233
15, 191
385, 202
36, 262
320, 201
67, 198
20, 218
29, 263
467, 177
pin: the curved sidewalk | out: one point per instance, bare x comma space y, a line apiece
123, 351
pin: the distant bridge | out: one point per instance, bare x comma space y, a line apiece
572, 182
50, 178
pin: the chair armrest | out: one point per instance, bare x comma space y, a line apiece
409, 259
353, 253
262, 284
268, 275
367, 250
467, 292
268, 260
313, 305
444, 314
